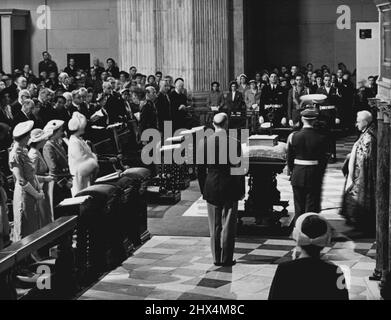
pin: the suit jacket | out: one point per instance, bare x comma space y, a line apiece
234, 105
148, 117
332, 100
307, 144
46, 113
5, 119
16, 107
294, 103
276, 96
21, 117
49, 66
56, 159
115, 108
218, 185
308, 279
178, 116
163, 107
114, 72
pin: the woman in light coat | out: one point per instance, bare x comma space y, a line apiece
27, 192
37, 141
83, 163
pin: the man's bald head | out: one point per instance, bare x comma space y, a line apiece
364, 119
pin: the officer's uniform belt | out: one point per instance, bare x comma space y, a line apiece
273, 106
306, 162
322, 108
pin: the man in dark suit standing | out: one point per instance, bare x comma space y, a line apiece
221, 189
346, 91
179, 105
163, 105
273, 94
307, 162
329, 112
115, 105
294, 103
235, 107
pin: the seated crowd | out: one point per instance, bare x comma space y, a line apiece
101, 97
43, 120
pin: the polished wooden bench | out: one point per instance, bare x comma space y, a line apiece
57, 233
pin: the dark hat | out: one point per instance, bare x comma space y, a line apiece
310, 114
252, 81
215, 82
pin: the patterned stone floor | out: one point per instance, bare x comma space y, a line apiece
177, 264
179, 268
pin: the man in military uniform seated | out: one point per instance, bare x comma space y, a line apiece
307, 162
273, 104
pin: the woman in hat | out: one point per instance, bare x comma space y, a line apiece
83, 163
309, 277
243, 85
37, 141
56, 158
216, 97
27, 192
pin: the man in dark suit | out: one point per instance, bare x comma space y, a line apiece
179, 105
221, 188
235, 107
6, 114
346, 92
329, 112
163, 105
115, 105
372, 86
71, 68
26, 113
273, 94
97, 67
307, 162
47, 64
294, 102
46, 112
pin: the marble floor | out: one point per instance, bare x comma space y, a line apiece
180, 268
176, 264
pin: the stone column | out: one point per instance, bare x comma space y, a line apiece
382, 193
181, 38
211, 40
238, 37
6, 43
137, 35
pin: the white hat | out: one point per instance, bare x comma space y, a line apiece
38, 135
22, 128
303, 240
53, 125
78, 122
220, 118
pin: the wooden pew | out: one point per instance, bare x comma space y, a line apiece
59, 232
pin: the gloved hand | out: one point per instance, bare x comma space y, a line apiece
283, 122
291, 124
32, 192
261, 120
337, 121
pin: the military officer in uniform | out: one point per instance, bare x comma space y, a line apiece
307, 161
221, 189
